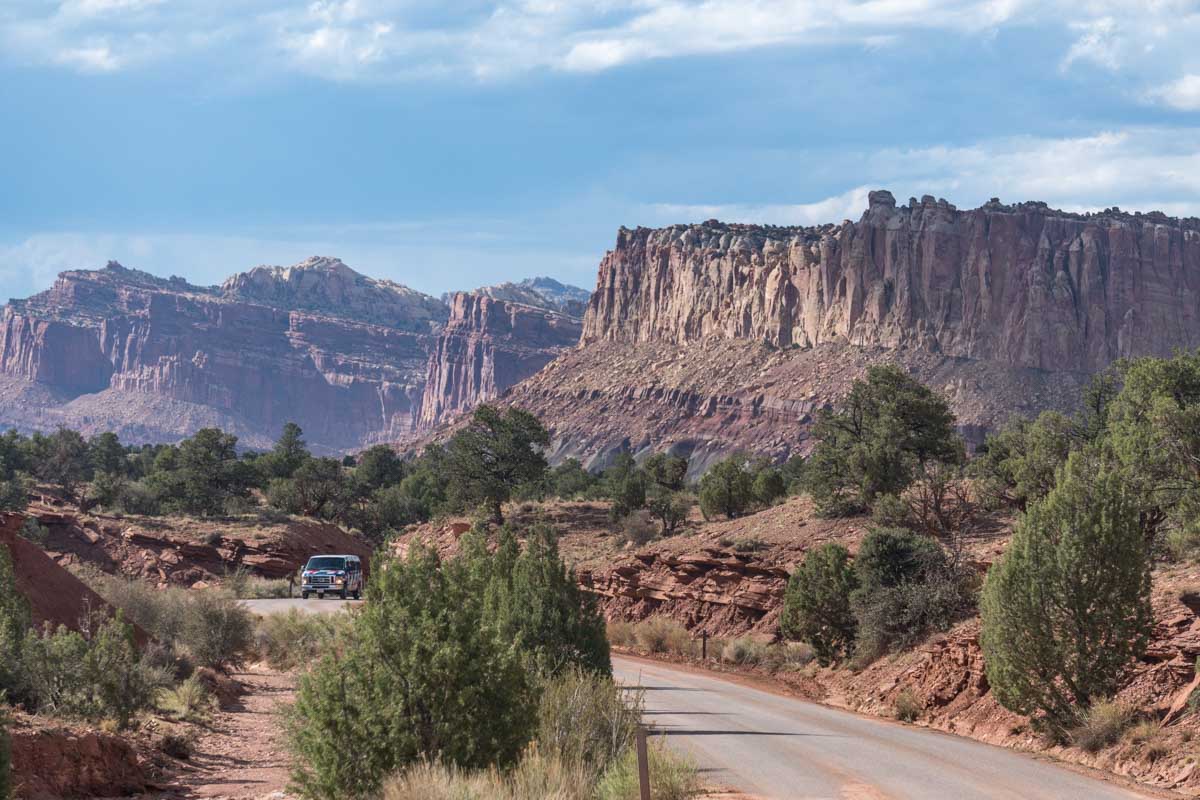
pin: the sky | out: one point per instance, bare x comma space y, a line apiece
448, 144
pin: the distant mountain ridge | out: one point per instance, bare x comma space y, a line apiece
343, 354
539, 292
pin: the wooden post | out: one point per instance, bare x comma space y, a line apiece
643, 763
704, 646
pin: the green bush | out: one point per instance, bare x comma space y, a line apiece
586, 720
727, 489
421, 675
536, 606
1066, 611
190, 700
816, 603
14, 623
769, 486
890, 511
95, 676
888, 427
216, 629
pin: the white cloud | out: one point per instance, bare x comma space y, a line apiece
1142, 169
848, 205
388, 39
1182, 94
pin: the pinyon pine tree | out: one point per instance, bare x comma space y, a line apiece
1066, 611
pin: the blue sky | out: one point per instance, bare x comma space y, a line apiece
452, 144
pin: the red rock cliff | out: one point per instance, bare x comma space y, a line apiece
1021, 285
487, 346
156, 358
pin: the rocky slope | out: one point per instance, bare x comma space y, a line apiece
540, 292
713, 337
344, 355
487, 346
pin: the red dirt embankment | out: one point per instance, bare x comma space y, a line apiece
55, 596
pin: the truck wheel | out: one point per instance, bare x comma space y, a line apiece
304, 595
320, 595
345, 594
358, 594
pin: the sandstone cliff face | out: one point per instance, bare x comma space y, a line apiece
712, 338
1020, 285
487, 346
107, 340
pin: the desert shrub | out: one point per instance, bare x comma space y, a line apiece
288, 640
34, 531
586, 720
237, 581
769, 486
797, 654
744, 544
745, 651
1182, 545
1066, 610
672, 776
816, 603
727, 489
177, 745
907, 705
139, 498
621, 633
570, 480
1102, 726
159, 612
190, 700
890, 511
907, 588
1144, 732
898, 617
888, 426
97, 674
638, 530
663, 635
216, 629
14, 623
420, 676
670, 509
536, 777
5, 761
534, 604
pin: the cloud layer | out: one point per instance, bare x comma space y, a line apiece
486, 39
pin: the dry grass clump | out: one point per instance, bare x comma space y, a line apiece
908, 706
190, 701
672, 777
663, 635
621, 633
745, 651
290, 640
1102, 726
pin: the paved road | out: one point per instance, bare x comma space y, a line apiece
312, 605
778, 747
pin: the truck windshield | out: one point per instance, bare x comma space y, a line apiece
326, 562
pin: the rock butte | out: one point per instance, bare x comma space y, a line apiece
701, 338
709, 338
346, 356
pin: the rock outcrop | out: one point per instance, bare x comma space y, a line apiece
711, 338
141, 355
487, 346
1023, 285
52, 761
541, 292
343, 355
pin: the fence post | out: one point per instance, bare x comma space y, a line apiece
643, 763
704, 646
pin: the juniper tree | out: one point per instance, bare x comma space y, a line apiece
816, 604
1066, 610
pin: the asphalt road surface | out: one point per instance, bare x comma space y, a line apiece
778, 747
311, 605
